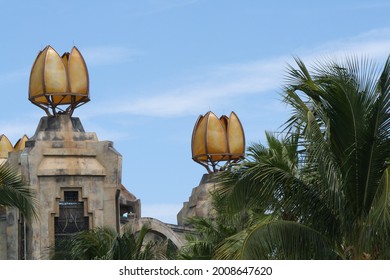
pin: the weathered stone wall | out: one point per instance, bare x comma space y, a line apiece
160, 230
200, 203
60, 157
3, 234
8, 234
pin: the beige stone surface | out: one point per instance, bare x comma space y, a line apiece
199, 203
60, 157
160, 230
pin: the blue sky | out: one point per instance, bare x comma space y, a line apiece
156, 65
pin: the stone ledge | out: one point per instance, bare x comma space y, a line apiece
70, 166
69, 152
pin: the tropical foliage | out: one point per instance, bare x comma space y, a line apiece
13, 192
323, 185
210, 232
104, 243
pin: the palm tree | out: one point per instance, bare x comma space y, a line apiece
13, 192
210, 232
104, 243
326, 185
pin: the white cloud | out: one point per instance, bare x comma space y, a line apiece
374, 44
94, 56
222, 83
107, 55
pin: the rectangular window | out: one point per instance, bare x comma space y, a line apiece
71, 196
71, 217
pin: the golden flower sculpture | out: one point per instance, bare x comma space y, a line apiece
21, 143
59, 81
217, 140
5, 146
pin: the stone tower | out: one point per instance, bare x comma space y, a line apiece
199, 203
76, 179
216, 142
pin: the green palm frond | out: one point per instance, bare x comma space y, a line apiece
209, 233
376, 234
103, 243
92, 244
14, 193
259, 181
286, 240
201, 245
380, 211
345, 118
232, 247
324, 183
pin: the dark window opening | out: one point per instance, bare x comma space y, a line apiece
71, 196
126, 213
71, 217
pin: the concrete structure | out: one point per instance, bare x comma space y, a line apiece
75, 177
216, 143
162, 231
199, 203
77, 181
